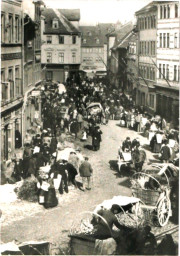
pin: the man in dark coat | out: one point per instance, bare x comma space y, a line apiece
60, 168
72, 172
86, 171
165, 152
126, 145
96, 138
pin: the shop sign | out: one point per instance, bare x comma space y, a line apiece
35, 93
11, 56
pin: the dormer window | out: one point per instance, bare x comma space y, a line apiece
89, 33
55, 23
97, 40
84, 41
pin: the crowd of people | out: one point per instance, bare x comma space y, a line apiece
65, 111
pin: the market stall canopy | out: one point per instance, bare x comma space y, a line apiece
117, 200
94, 104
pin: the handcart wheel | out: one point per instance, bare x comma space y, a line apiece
164, 211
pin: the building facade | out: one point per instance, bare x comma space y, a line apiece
61, 43
147, 38
11, 77
32, 63
168, 58
117, 53
94, 48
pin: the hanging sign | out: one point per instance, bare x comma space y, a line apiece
35, 93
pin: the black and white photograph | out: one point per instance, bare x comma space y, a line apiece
89, 127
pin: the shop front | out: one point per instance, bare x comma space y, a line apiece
11, 131
168, 104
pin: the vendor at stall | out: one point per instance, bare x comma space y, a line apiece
104, 222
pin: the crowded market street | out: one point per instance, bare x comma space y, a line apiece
54, 224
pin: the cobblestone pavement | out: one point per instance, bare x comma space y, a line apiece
54, 224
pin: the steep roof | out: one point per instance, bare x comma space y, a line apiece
65, 26
91, 33
71, 14
121, 33
148, 8
129, 37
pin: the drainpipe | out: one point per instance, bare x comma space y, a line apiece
22, 74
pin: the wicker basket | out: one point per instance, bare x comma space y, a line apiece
147, 196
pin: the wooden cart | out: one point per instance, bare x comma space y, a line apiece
157, 201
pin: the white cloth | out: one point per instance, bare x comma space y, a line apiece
171, 143
151, 134
119, 200
57, 181
159, 138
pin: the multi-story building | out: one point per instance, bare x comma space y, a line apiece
61, 43
116, 54
132, 64
147, 37
32, 63
94, 47
168, 57
11, 77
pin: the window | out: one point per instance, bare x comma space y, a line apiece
100, 50
167, 40
4, 85
168, 11
74, 57
160, 71
10, 28
151, 101
2, 27
153, 77
61, 57
164, 71
154, 53
49, 39
89, 33
160, 40
154, 21
147, 72
145, 48
73, 39
164, 40
167, 72
55, 23
84, 41
149, 21
10, 78
97, 40
161, 12
175, 72
17, 81
175, 40
164, 12
176, 11
61, 39
49, 75
17, 29
49, 57
145, 23
90, 50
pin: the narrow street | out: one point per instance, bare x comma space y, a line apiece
54, 224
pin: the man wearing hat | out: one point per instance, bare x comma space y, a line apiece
86, 171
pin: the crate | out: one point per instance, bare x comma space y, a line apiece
148, 197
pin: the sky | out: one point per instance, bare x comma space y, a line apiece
105, 11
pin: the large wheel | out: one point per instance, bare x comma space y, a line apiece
164, 211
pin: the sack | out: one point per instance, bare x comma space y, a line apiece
122, 123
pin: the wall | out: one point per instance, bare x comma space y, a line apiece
67, 48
